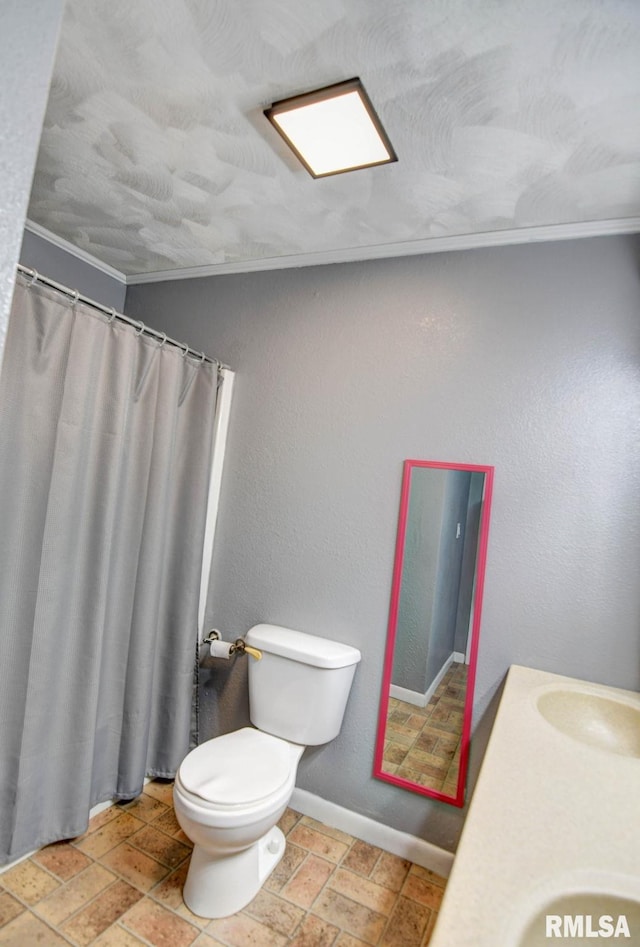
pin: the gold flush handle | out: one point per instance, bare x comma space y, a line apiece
241, 647
254, 652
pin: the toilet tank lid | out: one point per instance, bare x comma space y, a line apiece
299, 646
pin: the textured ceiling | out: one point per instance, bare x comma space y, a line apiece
505, 114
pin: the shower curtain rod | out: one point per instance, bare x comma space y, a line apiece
120, 316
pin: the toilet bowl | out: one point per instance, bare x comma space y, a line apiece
228, 795
230, 792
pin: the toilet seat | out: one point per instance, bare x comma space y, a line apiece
244, 772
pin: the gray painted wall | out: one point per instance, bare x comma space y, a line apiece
523, 357
469, 562
67, 269
419, 571
443, 623
29, 39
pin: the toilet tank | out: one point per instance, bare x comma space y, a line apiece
299, 690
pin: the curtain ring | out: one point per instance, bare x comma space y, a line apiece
76, 297
141, 329
34, 278
202, 357
163, 340
185, 351
112, 316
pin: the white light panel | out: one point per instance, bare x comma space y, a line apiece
332, 134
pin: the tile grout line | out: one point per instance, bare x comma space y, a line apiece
117, 876
387, 918
422, 712
32, 909
58, 927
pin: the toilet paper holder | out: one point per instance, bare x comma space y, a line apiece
239, 646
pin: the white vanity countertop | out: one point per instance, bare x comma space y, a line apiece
548, 811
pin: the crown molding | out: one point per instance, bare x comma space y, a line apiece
475, 241
63, 244
494, 238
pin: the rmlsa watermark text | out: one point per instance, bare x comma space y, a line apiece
585, 925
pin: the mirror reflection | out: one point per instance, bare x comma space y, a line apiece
434, 623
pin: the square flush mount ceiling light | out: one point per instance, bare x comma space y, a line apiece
332, 130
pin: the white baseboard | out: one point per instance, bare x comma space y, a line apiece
436, 681
13, 864
415, 697
362, 827
409, 697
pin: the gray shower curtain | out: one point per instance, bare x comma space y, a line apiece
105, 452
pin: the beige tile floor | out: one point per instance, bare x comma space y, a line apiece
120, 884
422, 744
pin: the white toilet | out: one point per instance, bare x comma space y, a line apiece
230, 792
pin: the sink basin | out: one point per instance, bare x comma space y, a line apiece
586, 913
596, 721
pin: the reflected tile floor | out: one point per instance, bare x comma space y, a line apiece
423, 743
120, 884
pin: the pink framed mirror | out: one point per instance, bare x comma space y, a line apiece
424, 723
